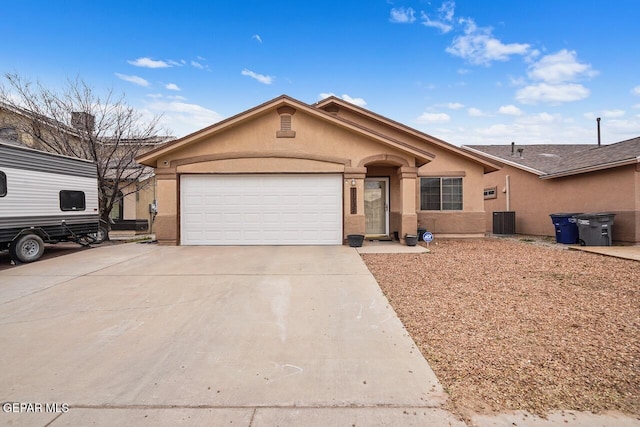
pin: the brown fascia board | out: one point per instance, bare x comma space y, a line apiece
151, 156
594, 168
489, 166
502, 162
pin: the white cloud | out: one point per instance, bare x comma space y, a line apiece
428, 22
560, 67
149, 63
257, 37
182, 117
540, 118
552, 93
478, 45
198, 65
172, 86
133, 79
463, 71
510, 110
554, 78
402, 15
613, 113
446, 10
433, 117
636, 90
455, 105
267, 80
609, 114
475, 112
444, 20
635, 106
355, 101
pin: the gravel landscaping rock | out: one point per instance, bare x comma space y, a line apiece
513, 324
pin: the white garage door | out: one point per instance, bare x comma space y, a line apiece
261, 209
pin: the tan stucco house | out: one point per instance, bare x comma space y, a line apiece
287, 172
538, 180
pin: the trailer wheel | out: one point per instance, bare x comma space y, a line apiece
27, 248
101, 235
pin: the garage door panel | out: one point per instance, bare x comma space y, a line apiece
261, 209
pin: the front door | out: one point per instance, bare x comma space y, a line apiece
376, 206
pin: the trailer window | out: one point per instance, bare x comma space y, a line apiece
3, 184
72, 200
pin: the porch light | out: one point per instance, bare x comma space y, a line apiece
353, 182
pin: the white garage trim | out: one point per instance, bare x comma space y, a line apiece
291, 209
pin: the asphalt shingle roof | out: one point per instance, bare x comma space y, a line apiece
548, 159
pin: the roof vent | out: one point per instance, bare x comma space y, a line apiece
286, 113
520, 151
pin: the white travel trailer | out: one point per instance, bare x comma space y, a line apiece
45, 197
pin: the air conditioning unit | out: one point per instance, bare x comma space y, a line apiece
504, 222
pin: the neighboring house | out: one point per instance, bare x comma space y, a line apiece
132, 212
286, 172
538, 180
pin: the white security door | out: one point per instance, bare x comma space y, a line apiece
261, 209
376, 206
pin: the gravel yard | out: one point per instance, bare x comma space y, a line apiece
511, 324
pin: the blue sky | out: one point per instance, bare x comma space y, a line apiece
466, 71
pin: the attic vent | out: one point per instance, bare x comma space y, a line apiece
285, 122
286, 119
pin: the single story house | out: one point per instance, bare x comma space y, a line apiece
286, 173
538, 180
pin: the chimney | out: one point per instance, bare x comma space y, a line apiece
513, 149
598, 120
82, 121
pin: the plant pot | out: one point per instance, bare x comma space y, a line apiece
355, 240
421, 232
411, 239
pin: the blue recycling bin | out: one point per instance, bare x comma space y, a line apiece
566, 227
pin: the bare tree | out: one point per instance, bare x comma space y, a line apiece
78, 122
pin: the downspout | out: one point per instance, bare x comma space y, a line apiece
508, 192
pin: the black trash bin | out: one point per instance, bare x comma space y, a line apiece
595, 229
566, 227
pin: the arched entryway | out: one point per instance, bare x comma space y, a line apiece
389, 197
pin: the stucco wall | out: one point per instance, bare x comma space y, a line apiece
614, 190
445, 164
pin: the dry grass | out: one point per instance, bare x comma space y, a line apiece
508, 324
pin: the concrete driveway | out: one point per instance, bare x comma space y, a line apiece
139, 334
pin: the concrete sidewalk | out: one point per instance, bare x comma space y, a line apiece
624, 252
138, 334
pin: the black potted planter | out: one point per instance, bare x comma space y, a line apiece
411, 239
355, 240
